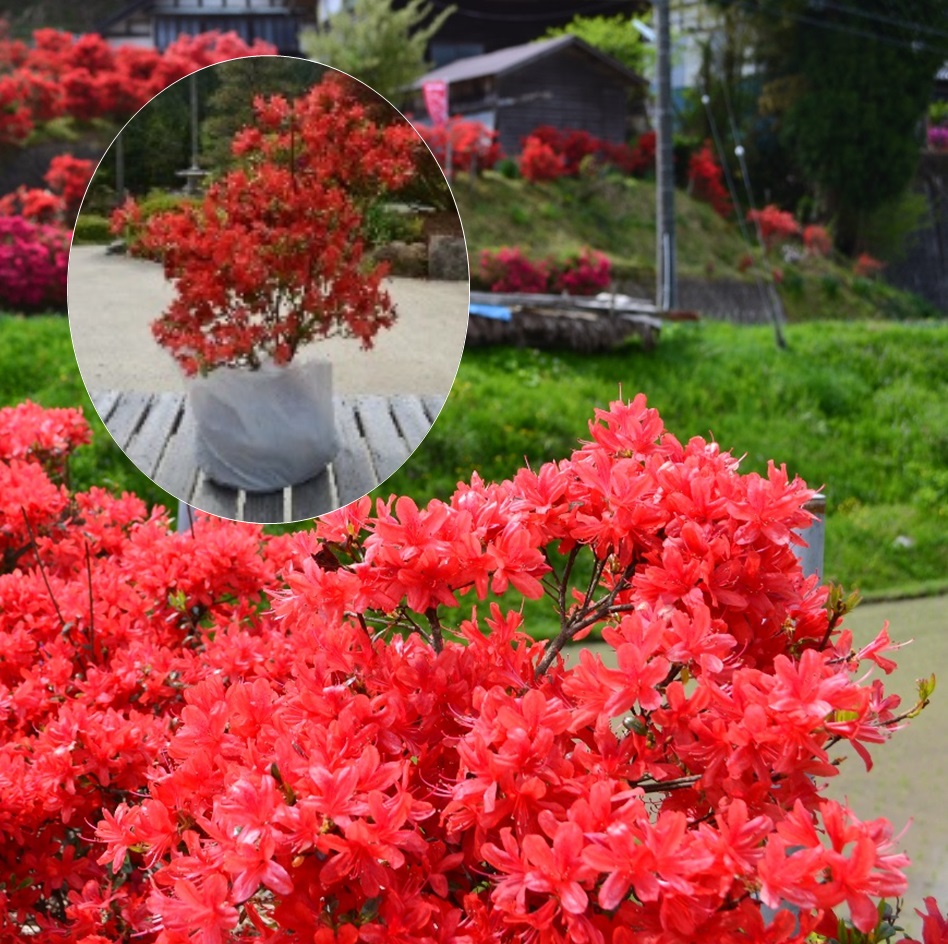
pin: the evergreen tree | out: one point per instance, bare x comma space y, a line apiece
848, 86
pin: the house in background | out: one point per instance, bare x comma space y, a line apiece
563, 82
478, 26
158, 23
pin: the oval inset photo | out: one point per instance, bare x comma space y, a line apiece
268, 289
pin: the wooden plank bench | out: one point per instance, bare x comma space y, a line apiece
376, 435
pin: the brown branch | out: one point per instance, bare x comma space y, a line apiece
42, 567
436, 639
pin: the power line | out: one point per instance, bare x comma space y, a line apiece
916, 45
881, 18
582, 9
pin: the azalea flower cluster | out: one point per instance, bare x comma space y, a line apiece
776, 226
509, 269
33, 262
218, 736
473, 146
706, 181
549, 153
106, 616
272, 258
67, 178
84, 77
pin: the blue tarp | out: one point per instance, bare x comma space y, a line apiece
497, 312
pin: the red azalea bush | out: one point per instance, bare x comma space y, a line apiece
587, 273
539, 162
706, 181
867, 266
817, 240
473, 145
67, 178
572, 146
509, 269
776, 226
364, 759
33, 262
272, 258
85, 78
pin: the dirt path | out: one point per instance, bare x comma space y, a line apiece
908, 773
113, 300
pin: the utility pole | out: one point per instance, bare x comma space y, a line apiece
666, 293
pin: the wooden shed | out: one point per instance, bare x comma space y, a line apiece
159, 22
563, 82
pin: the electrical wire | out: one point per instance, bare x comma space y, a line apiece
916, 45
581, 9
767, 295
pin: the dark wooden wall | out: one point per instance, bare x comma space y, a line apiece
566, 89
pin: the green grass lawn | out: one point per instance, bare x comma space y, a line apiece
856, 407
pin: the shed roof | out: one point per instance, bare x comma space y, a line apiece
513, 58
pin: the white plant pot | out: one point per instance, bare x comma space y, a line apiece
264, 429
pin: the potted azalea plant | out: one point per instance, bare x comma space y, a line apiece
272, 260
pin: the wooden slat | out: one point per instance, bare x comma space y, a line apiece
147, 446
432, 404
215, 499
385, 443
176, 472
104, 402
314, 497
127, 416
265, 507
411, 419
353, 466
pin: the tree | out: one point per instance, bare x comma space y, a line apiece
613, 35
383, 47
848, 86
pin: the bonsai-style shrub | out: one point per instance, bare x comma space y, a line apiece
219, 736
272, 258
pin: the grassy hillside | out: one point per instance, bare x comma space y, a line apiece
617, 216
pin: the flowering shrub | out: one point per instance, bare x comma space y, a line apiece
473, 145
539, 162
69, 176
866, 266
85, 78
272, 258
817, 240
775, 225
33, 261
706, 180
938, 138
573, 146
509, 270
365, 759
745, 262
587, 273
